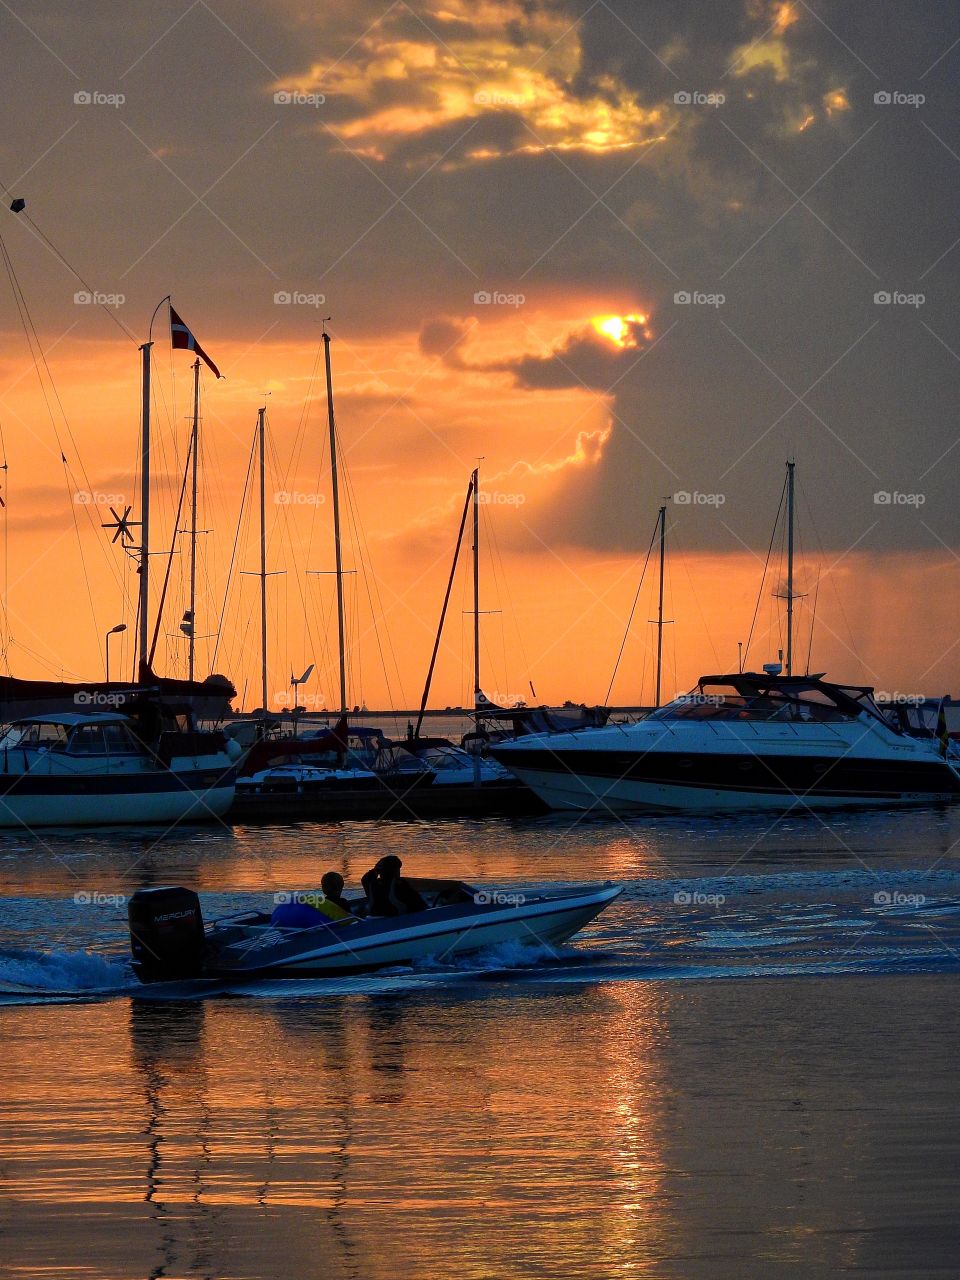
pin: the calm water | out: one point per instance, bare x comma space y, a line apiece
748, 1066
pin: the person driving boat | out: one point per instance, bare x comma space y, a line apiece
388, 893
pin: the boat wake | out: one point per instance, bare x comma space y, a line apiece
65, 975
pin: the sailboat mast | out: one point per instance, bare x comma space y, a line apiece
194, 441
143, 647
336, 523
663, 539
475, 481
263, 565
790, 467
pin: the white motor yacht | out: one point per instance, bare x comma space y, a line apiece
743, 741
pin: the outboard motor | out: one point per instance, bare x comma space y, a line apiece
166, 934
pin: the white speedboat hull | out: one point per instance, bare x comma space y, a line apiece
545, 922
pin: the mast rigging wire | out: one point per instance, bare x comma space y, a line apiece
626, 633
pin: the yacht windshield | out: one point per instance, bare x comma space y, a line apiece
750, 698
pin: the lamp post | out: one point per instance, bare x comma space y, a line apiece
121, 626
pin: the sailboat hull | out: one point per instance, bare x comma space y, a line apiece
135, 798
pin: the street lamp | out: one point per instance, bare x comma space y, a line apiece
121, 626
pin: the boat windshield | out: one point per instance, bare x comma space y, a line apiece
739, 699
35, 734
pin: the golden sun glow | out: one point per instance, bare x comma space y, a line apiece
621, 330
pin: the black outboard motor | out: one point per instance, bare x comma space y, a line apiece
166, 934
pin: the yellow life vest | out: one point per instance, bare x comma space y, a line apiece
330, 909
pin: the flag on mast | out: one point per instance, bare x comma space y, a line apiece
183, 340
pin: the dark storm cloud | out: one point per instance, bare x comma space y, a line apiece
798, 357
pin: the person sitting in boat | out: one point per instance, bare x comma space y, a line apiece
310, 909
388, 893
333, 904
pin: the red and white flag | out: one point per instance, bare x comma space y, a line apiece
183, 340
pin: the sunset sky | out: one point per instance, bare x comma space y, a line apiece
624, 251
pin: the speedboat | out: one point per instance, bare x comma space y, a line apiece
744, 741
169, 941
102, 768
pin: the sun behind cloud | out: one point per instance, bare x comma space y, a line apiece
622, 331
